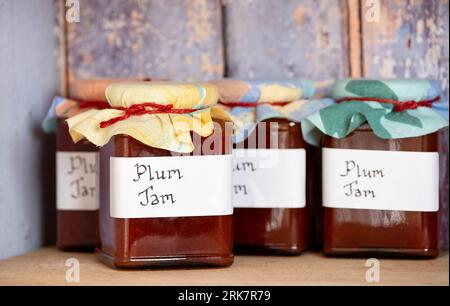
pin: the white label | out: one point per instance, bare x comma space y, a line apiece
269, 178
154, 187
381, 180
76, 180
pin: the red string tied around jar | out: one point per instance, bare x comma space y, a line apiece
399, 106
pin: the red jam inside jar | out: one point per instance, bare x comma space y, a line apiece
164, 241
77, 223
372, 232
278, 230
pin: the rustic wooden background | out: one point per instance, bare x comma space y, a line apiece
207, 39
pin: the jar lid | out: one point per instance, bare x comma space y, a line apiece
246, 103
179, 94
158, 114
393, 108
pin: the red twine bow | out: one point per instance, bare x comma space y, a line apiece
142, 109
134, 110
399, 106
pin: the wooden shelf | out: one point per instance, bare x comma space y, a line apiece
47, 267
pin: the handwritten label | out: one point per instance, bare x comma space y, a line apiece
77, 179
154, 187
269, 178
382, 180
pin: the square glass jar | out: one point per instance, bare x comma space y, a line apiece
277, 230
77, 192
164, 241
373, 232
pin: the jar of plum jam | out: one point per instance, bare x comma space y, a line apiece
163, 241
271, 186
273, 230
380, 168
77, 193
165, 176
383, 232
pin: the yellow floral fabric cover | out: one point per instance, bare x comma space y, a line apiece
165, 131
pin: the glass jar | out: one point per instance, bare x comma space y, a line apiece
163, 241
383, 232
278, 229
77, 194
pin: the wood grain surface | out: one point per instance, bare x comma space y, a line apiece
176, 39
47, 267
286, 39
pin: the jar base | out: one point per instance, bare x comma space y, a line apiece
164, 262
282, 250
381, 252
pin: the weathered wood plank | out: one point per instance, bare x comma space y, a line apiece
355, 39
410, 39
61, 32
28, 80
179, 39
287, 38
46, 267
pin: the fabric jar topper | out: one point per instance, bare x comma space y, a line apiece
247, 103
158, 114
392, 108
